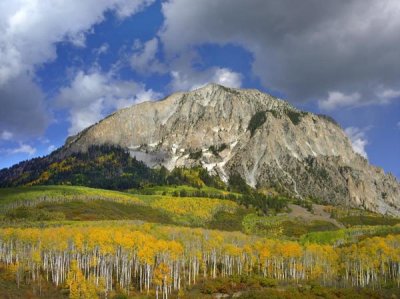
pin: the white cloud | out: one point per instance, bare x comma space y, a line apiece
30, 29
6, 135
142, 95
398, 124
51, 148
103, 49
191, 80
43, 140
23, 149
144, 59
337, 99
125, 8
358, 140
184, 76
386, 95
29, 33
91, 96
227, 78
304, 49
78, 39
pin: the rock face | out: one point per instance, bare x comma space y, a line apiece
264, 139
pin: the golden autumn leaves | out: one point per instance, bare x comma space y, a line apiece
164, 259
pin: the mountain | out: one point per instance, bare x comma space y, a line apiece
265, 140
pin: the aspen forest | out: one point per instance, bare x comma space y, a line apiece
102, 258
163, 260
153, 233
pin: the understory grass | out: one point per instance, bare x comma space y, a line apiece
349, 235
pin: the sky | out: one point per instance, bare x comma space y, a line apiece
64, 65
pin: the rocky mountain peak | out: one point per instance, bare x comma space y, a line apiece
264, 139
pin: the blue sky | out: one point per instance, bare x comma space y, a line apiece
65, 65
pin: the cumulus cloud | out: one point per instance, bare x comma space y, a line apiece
125, 8
23, 110
387, 95
30, 29
183, 76
51, 148
191, 80
23, 149
6, 135
227, 77
144, 60
92, 95
358, 140
337, 99
29, 32
103, 49
304, 49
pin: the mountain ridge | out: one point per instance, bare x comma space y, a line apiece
266, 140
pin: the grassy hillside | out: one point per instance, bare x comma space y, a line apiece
349, 235
45, 203
194, 241
168, 205
186, 190
29, 196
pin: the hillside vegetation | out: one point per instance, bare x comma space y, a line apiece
106, 167
182, 234
163, 260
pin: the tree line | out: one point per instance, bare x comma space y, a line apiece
102, 166
164, 260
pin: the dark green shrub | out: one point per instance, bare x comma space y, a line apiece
294, 116
33, 214
256, 121
267, 282
238, 184
196, 155
328, 118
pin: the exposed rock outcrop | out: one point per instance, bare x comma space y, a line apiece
266, 140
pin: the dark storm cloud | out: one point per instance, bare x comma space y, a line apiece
307, 49
29, 32
22, 111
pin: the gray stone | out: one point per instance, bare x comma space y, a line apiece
303, 153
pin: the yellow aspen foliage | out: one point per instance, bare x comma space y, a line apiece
161, 274
193, 209
79, 287
100, 257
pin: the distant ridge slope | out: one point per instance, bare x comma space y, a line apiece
265, 140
